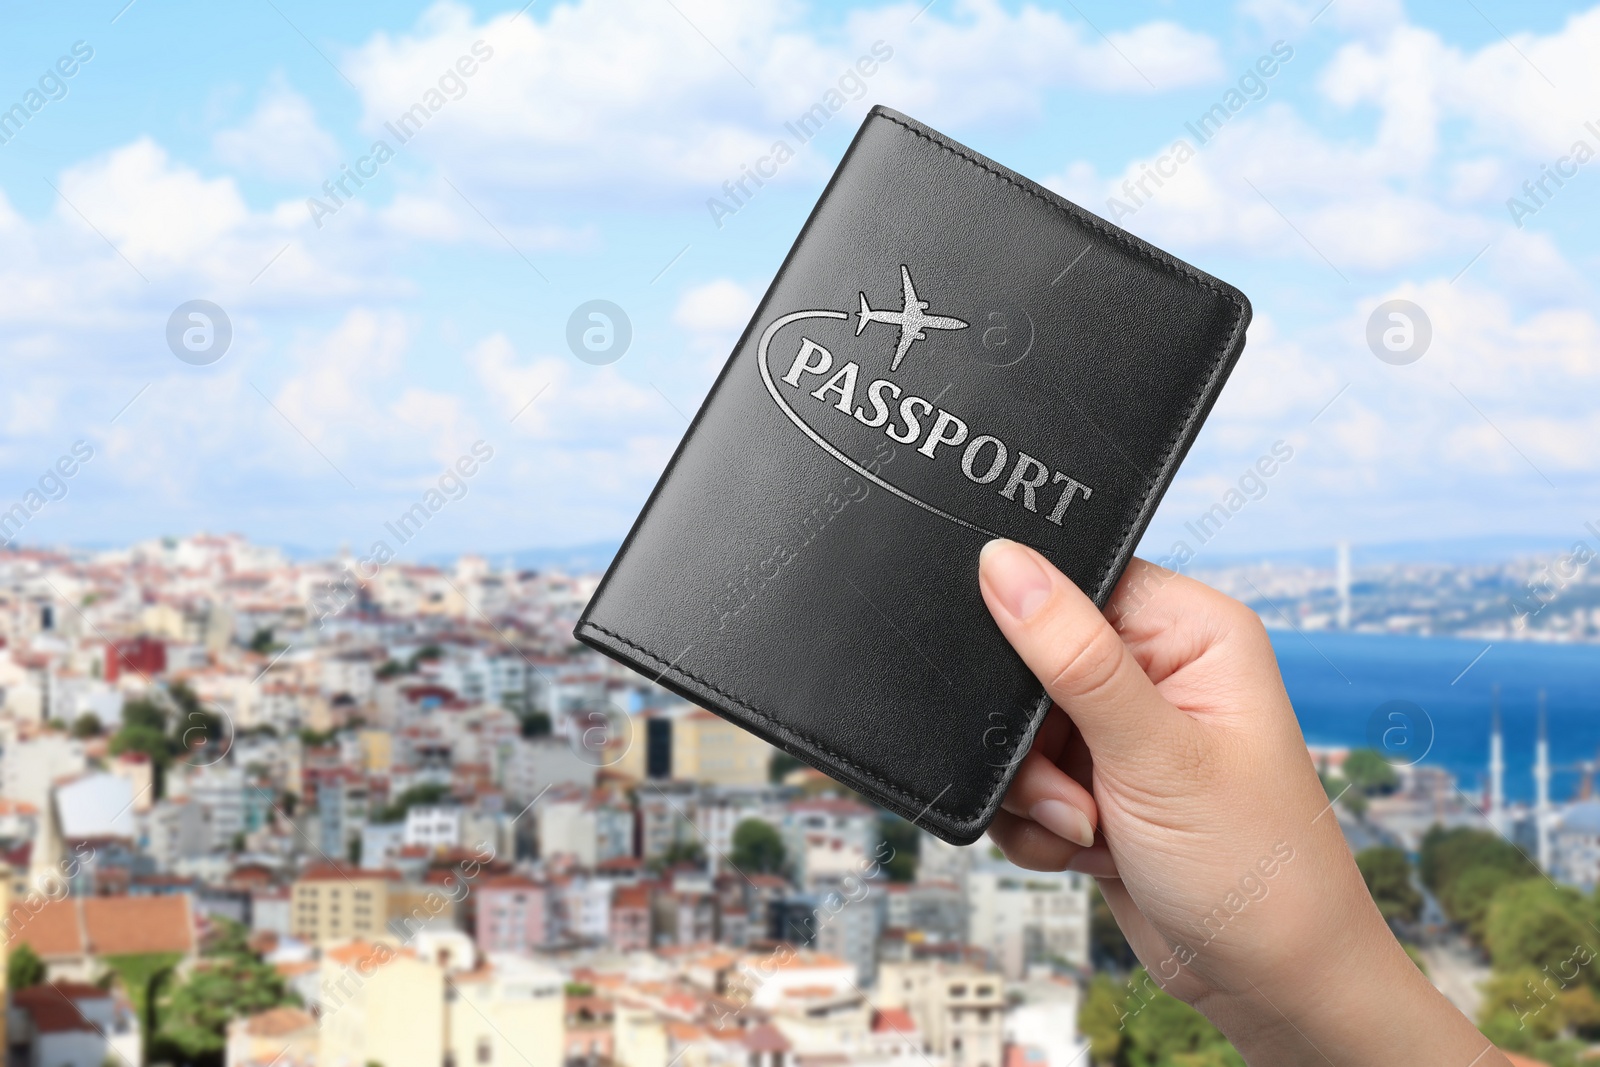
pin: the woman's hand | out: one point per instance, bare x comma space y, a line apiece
1217, 849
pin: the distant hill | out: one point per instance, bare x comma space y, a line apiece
588, 558
595, 556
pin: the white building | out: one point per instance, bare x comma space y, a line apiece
587, 827
828, 837
1042, 1020
351, 673
959, 1009
70, 1024
1023, 917
381, 843
1575, 845
583, 908
723, 808
433, 826
29, 768
219, 791
175, 830
940, 861
798, 974
77, 695
534, 765
271, 910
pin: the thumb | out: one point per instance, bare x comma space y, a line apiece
1068, 644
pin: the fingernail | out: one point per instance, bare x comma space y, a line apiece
1018, 581
1063, 820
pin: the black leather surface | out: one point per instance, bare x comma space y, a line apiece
820, 588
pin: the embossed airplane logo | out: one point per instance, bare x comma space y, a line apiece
912, 319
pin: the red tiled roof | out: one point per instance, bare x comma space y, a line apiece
52, 932
76, 991
631, 896
896, 1020
54, 1008
279, 1022
359, 953
123, 926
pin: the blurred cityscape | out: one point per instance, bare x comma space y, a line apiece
276, 813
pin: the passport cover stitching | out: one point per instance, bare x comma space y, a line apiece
1072, 211
1154, 483
746, 706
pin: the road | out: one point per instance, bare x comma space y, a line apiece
1456, 969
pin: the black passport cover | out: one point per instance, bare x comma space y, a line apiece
812, 576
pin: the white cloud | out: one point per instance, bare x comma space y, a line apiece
157, 214
713, 315
334, 392
1524, 94
1299, 18
657, 110
1398, 197
561, 400
590, 116
1269, 174
280, 139
717, 307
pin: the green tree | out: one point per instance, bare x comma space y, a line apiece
1520, 1010
228, 939
681, 852
757, 847
781, 764
196, 725
425, 654
144, 712
1366, 770
1448, 854
1388, 878
906, 841
1537, 924
389, 669
261, 642
1466, 899
144, 730
535, 724
142, 975
87, 725
317, 738
195, 1013
1162, 1031
418, 795
147, 740
1100, 1018
24, 968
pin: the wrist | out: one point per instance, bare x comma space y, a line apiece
1360, 1000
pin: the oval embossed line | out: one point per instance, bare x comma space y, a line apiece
766, 376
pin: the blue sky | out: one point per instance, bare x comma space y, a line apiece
576, 162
